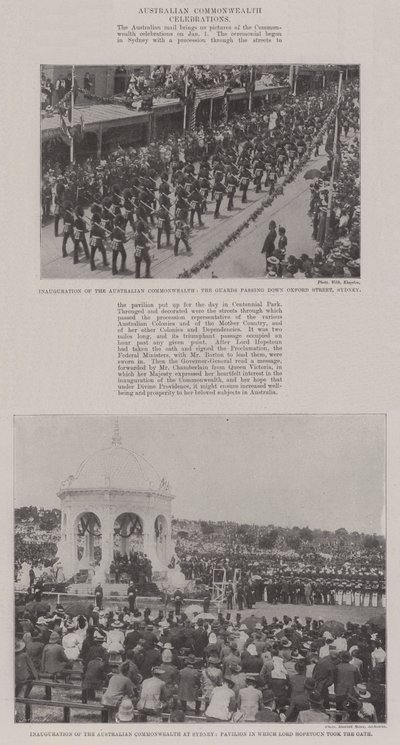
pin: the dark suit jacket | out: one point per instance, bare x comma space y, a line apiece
324, 673
267, 715
189, 684
347, 676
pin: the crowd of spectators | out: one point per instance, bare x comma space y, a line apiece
171, 666
181, 81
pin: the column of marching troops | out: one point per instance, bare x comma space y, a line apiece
172, 203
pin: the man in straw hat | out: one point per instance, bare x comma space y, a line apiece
367, 711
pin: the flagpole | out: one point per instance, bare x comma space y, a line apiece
251, 88
71, 145
186, 105
335, 155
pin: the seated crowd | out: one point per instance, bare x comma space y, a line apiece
175, 666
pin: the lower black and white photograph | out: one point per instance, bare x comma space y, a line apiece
200, 569
205, 171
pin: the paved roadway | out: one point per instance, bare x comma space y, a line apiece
241, 259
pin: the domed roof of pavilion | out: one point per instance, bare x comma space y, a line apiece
116, 467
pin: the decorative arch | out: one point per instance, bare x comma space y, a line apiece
87, 539
128, 533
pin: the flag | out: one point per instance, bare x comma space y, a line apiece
65, 130
78, 130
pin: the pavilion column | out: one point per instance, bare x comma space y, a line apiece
107, 538
169, 547
99, 140
147, 547
69, 556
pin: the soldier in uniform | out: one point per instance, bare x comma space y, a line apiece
68, 230
132, 597
181, 234
219, 190
272, 179
58, 203
97, 234
142, 242
164, 187
129, 208
195, 200
244, 180
98, 594
118, 236
231, 185
205, 187
178, 599
107, 218
79, 234
163, 223
258, 173
47, 197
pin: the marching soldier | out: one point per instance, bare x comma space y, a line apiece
107, 217
258, 173
181, 234
47, 196
79, 234
163, 223
205, 187
244, 180
97, 234
58, 201
219, 190
129, 208
118, 236
142, 242
195, 201
218, 172
68, 230
231, 184
272, 179
164, 187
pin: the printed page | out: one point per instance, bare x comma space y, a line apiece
199, 372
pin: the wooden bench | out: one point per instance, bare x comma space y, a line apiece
50, 685
105, 711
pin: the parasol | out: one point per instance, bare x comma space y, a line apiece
207, 616
251, 621
193, 610
38, 607
78, 607
378, 621
313, 173
335, 627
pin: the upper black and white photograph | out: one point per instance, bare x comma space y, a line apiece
200, 569
207, 171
